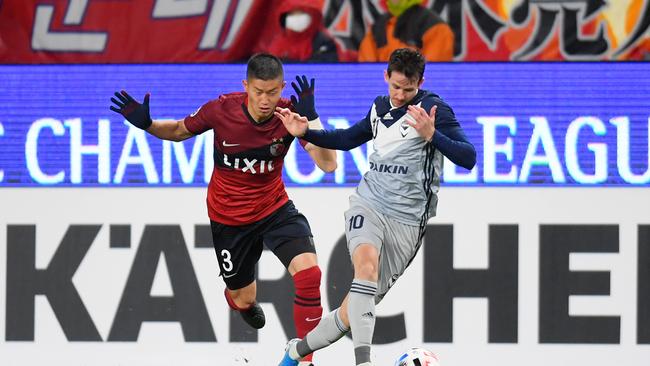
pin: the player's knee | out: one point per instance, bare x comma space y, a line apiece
307, 282
245, 301
238, 299
366, 262
302, 262
364, 253
366, 270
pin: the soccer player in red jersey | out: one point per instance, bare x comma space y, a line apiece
247, 203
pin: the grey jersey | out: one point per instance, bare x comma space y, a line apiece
404, 174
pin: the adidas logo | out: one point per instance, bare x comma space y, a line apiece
368, 315
388, 116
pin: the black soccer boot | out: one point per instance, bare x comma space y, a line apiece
254, 316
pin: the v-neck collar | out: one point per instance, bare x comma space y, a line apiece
251, 119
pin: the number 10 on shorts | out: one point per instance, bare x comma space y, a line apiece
356, 222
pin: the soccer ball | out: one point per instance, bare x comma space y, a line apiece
417, 357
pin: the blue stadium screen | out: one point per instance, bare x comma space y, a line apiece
549, 124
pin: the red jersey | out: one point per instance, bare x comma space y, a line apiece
246, 183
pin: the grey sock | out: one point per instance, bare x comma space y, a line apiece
329, 330
361, 312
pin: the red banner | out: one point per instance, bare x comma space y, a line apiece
142, 31
173, 31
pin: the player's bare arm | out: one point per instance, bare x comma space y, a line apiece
325, 159
173, 130
138, 115
423, 122
297, 125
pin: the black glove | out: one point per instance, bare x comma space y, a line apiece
134, 112
304, 103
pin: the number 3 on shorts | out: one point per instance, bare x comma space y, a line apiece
356, 222
226, 263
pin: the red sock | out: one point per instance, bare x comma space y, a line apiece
306, 306
231, 302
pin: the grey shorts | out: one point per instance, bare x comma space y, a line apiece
396, 242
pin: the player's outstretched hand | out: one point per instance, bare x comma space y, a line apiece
421, 121
134, 112
303, 101
296, 124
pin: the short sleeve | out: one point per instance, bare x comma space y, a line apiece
202, 120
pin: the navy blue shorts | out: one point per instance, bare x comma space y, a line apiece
285, 232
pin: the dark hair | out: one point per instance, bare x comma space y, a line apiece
264, 66
408, 61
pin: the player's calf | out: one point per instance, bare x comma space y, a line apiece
307, 309
253, 314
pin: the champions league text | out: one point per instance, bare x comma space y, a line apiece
588, 150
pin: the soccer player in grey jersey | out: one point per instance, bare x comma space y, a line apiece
412, 129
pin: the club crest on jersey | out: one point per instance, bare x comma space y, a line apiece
277, 147
404, 128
